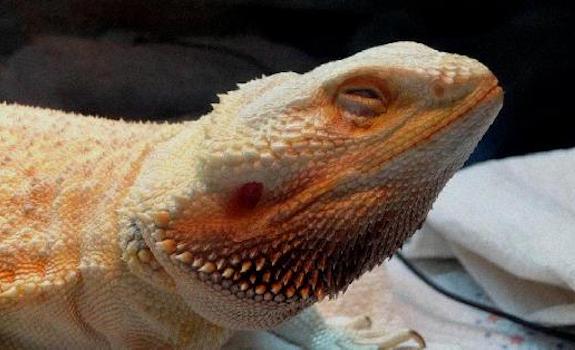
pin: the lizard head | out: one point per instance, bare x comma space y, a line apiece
295, 184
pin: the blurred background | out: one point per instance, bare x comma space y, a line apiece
167, 60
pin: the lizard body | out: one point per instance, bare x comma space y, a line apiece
131, 235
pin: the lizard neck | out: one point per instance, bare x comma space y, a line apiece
159, 165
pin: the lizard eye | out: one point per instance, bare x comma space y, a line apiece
359, 104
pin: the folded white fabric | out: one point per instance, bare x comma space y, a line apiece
511, 223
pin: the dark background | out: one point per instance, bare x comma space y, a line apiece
167, 59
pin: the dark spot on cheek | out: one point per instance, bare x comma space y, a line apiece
247, 196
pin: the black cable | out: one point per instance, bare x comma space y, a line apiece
552, 331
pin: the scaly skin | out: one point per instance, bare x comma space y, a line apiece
127, 235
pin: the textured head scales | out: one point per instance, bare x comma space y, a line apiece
297, 184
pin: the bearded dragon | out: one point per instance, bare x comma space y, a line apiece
144, 235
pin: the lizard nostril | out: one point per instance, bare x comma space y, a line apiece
438, 90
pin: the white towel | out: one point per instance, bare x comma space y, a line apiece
511, 223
